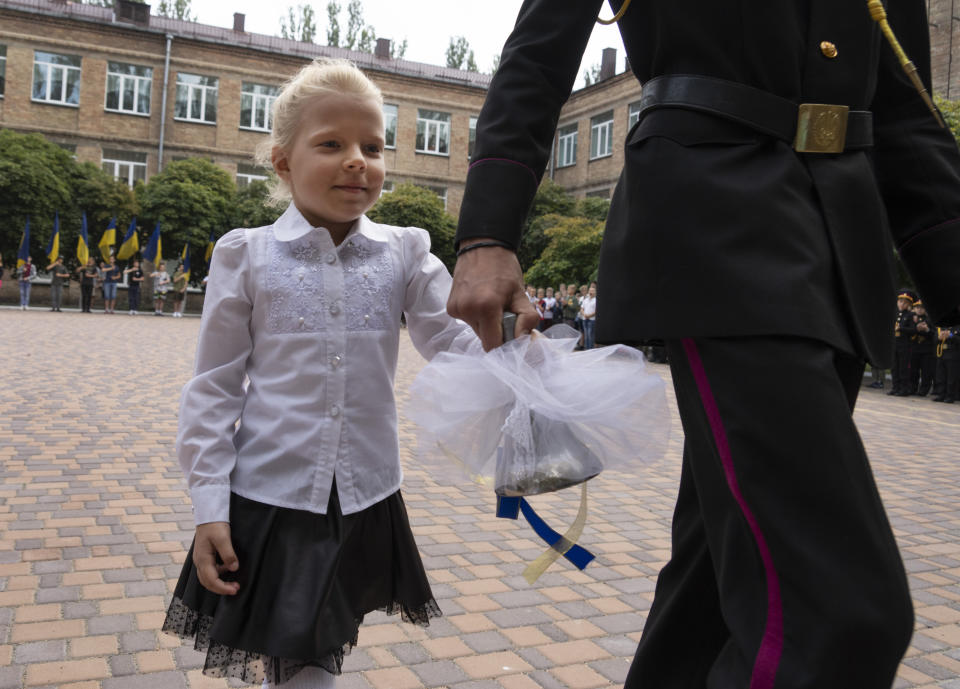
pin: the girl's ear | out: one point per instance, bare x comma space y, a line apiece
280, 163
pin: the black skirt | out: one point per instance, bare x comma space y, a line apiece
306, 581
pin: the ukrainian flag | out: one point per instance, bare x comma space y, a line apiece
154, 252
209, 252
185, 260
108, 239
53, 248
131, 244
83, 242
24, 251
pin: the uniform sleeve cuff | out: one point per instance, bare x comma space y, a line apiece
496, 200
932, 257
211, 503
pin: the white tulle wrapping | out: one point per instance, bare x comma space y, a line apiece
534, 415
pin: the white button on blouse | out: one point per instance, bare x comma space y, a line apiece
281, 313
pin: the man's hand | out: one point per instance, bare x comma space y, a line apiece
211, 540
486, 282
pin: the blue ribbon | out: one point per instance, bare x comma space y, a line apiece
510, 507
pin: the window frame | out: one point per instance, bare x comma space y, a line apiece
633, 114
601, 132
387, 117
3, 70
567, 140
472, 136
137, 80
65, 81
204, 90
257, 99
249, 174
114, 158
430, 127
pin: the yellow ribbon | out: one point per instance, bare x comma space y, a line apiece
569, 539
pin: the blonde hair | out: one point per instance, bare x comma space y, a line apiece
322, 76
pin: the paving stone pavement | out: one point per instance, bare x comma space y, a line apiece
95, 523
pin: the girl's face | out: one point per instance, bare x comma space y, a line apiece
334, 165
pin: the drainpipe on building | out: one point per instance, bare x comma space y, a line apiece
163, 104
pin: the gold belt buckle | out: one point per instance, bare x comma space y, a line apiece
821, 128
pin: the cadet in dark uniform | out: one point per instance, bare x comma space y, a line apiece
780, 148
923, 355
904, 328
947, 386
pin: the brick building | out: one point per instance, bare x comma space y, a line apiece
126, 90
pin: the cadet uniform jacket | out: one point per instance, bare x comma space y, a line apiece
716, 229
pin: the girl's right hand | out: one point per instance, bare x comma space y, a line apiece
212, 540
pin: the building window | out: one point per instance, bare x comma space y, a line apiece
387, 188
472, 138
128, 88
601, 135
633, 115
3, 69
126, 166
433, 132
196, 98
247, 173
389, 126
567, 146
441, 193
256, 106
56, 78
598, 194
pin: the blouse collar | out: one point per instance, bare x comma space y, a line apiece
292, 225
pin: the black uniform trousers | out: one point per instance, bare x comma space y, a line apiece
784, 572
947, 384
923, 367
901, 374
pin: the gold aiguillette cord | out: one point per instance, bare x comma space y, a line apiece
617, 16
879, 15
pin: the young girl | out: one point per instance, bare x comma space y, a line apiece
161, 285
179, 290
301, 529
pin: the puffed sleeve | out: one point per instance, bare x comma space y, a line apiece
918, 169
428, 283
211, 402
515, 129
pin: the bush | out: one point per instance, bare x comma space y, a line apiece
411, 206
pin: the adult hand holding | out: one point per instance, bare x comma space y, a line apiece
486, 282
213, 539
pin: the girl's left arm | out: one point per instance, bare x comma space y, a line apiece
428, 283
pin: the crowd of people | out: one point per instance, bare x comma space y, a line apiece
569, 304
926, 358
104, 277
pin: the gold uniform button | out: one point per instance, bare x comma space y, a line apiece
828, 49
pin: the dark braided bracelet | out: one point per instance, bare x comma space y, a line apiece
480, 245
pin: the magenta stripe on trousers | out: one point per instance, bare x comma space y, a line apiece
771, 647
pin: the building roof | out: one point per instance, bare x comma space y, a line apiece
254, 41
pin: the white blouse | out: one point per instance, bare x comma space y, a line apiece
315, 328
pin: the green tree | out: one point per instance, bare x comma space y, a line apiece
39, 178
411, 206
333, 24
250, 207
496, 64
360, 35
593, 208
300, 24
591, 75
950, 109
176, 9
550, 199
397, 51
191, 199
459, 54
573, 252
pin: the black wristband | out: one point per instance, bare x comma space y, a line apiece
480, 245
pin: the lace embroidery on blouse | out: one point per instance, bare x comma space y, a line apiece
368, 284
295, 285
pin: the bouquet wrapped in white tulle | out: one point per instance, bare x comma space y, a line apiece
534, 416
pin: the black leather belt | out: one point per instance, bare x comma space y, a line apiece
808, 127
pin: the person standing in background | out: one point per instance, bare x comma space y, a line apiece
88, 282
588, 317
923, 356
179, 290
161, 285
904, 328
58, 278
25, 279
111, 276
134, 281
